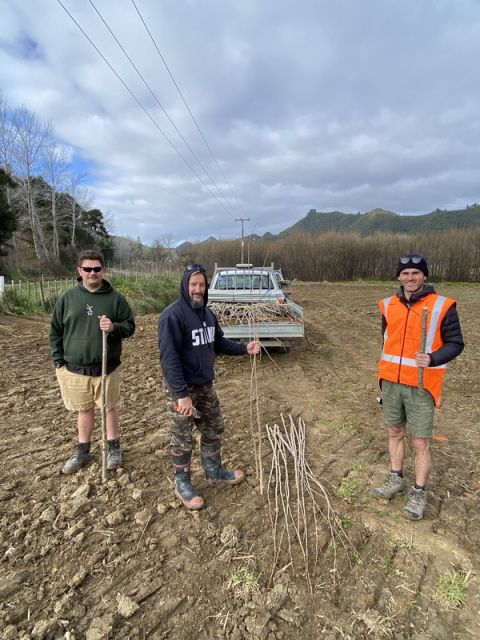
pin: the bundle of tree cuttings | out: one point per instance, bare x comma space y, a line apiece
301, 512
244, 313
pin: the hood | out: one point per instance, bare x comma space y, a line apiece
103, 288
184, 288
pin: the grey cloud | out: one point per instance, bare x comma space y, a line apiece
342, 105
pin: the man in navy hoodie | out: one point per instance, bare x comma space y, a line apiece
189, 337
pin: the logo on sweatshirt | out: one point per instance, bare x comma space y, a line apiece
203, 336
89, 309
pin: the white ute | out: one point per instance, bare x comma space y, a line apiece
249, 302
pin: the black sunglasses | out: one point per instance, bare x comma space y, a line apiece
414, 259
90, 269
195, 268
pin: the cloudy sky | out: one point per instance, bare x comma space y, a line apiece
304, 104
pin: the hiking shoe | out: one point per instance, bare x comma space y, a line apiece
114, 454
81, 457
393, 485
416, 504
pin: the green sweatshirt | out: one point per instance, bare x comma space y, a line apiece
75, 335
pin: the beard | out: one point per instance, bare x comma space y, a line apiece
197, 303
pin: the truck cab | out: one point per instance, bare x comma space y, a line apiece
249, 301
245, 283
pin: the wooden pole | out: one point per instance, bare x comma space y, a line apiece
423, 342
42, 297
104, 406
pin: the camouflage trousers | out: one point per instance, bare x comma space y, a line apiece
207, 417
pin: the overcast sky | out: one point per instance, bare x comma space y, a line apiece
305, 104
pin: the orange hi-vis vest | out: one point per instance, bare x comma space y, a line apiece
402, 340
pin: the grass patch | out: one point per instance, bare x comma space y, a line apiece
386, 563
452, 588
384, 512
350, 486
347, 426
348, 489
398, 544
148, 295
244, 579
380, 456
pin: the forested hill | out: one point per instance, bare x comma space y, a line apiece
380, 220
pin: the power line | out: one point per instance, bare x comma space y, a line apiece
161, 106
185, 103
144, 109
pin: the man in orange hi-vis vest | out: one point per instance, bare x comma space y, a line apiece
405, 401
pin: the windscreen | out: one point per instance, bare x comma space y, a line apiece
243, 281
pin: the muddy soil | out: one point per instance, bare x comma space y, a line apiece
79, 559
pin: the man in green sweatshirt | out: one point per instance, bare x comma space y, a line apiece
79, 317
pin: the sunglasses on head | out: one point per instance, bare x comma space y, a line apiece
90, 269
195, 268
414, 259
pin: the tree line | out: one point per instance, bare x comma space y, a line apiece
44, 205
333, 256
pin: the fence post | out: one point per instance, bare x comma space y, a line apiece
42, 297
2, 286
13, 291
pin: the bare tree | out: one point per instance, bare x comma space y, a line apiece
158, 251
7, 136
32, 137
7, 147
55, 163
80, 199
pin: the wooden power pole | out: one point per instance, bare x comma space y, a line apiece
242, 220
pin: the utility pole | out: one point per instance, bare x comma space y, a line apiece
242, 220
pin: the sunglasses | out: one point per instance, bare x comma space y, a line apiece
90, 269
414, 259
195, 268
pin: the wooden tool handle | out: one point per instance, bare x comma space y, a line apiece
423, 342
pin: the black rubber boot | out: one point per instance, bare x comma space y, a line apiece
212, 464
183, 482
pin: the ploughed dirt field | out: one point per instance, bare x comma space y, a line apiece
79, 559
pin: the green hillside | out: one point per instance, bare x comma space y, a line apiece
379, 220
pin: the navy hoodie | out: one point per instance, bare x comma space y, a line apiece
188, 340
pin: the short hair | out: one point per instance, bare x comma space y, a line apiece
90, 254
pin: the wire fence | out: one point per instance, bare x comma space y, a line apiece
39, 295
146, 290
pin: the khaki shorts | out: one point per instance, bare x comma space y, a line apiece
81, 393
403, 404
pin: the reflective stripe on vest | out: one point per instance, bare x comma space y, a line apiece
402, 331
408, 362
432, 330
437, 308
386, 302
